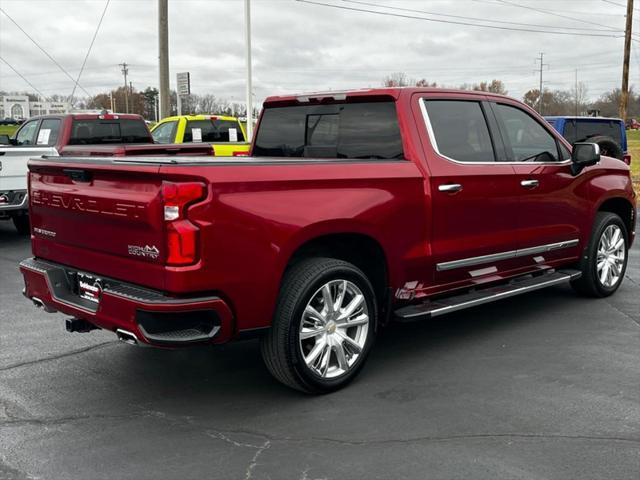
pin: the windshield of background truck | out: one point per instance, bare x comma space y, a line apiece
349, 130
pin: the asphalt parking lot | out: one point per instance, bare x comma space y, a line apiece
544, 386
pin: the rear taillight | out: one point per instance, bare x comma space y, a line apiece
627, 158
240, 154
182, 235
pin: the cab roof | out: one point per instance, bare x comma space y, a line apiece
200, 117
90, 116
394, 92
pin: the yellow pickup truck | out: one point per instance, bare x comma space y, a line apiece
225, 134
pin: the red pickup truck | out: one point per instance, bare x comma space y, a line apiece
355, 209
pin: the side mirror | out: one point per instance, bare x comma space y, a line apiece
5, 140
583, 155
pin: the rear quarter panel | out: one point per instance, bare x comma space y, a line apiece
257, 216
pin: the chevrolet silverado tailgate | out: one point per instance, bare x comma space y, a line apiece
104, 216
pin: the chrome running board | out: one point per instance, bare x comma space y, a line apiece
515, 287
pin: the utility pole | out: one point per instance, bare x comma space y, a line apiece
576, 91
247, 29
624, 94
163, 47
131, 95
542, 65
125, 72
113, 110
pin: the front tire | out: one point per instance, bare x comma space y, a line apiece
323, 328
605, 260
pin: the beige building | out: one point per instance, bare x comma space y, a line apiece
20, 107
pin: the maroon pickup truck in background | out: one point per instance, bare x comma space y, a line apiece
81, 133
354, 209
72, 135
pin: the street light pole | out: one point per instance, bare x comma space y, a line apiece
247, 27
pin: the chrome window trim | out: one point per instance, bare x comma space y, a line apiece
467, 262
434, 143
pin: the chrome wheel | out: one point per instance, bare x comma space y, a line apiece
334, 327
611, 256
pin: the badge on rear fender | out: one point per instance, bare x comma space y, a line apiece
146, 251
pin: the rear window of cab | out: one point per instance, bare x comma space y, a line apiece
366, 130
213, 131
98, 131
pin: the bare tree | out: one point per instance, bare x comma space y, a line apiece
495, 86
397, 79
208, 103
423, 82
580, 94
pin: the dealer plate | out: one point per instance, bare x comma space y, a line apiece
89, 287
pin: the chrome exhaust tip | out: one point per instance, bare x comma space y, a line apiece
41, 305
126, 337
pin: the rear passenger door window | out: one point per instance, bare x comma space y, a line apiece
460, 130
48, 133
525, 139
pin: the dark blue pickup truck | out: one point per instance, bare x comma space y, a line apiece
609, 133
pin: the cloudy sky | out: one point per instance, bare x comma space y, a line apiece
304, 46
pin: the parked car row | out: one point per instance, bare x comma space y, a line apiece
354, 209
11, 121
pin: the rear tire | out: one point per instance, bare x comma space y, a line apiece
605, 259
323, 328
21, 222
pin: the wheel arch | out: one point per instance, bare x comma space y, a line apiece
622, 207
356, 246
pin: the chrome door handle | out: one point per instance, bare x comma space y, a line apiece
450, 187
529, 183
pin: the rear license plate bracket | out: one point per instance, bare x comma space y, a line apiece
89, 287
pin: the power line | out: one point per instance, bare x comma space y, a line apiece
614, 3
42, 49
495, 27
549, 12
570, 12
21, 76
619, 4
471, 18
89, 50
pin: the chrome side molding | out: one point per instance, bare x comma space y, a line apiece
524, 252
